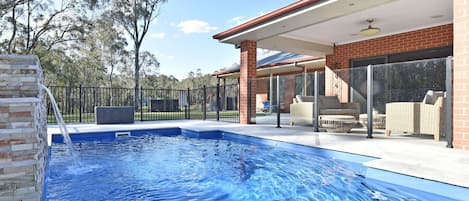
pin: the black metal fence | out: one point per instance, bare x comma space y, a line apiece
77, 103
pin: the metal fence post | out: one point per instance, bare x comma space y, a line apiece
278, 101
449, 102
188, 103
224, 94
80, 105
369, 100
218, 99
249, 101
271, 93
141, 103
316, 102
204, 103
237, 102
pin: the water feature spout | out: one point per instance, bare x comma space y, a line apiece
62, 127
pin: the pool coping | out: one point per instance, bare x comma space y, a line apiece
382, 174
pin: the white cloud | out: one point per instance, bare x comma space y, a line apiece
195, 26
238, 20
158, 35
242, 19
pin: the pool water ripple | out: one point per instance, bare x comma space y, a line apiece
156, 167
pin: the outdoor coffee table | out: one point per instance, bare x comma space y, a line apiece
338, 123
379, 120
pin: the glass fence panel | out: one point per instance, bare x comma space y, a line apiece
229, 101
266, 101
211, 102
343, 100
410, 97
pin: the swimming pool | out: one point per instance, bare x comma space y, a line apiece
178, 164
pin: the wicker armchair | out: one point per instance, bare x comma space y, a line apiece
416, 117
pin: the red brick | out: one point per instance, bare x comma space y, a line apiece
248, 60
461, 78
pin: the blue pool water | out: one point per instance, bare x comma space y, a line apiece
151, 166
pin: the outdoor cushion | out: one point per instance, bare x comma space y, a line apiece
431, 96
302, 99
329, 102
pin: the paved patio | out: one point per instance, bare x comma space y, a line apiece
410, 155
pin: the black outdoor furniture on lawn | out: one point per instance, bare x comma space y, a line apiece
114, 114
164, 105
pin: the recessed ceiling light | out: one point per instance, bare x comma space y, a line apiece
436, 16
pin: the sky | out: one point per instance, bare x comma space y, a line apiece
181, 36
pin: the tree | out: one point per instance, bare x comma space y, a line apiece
135, 17
41, 22
112, 46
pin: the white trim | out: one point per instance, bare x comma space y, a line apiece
397, 32
287, 35
278, 20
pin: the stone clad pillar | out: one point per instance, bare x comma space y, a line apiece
23, 134
248, 64
461, 75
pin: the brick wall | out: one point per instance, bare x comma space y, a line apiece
262, 86
247, 73
438, 36
23, 145
461, 75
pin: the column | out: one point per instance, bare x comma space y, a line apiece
248, 60
461, 75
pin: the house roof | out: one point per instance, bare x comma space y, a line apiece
273, 60
314, 27
265, 18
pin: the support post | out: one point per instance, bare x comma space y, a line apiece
449, 102
316, 103
188, 103
204, 103
278, 101
249, 101
80, 104
248, 55
141, 103
271, 93
218, 99
369, 100
305, 81
224, 94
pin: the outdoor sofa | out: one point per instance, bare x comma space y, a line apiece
301, 110
425, 117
